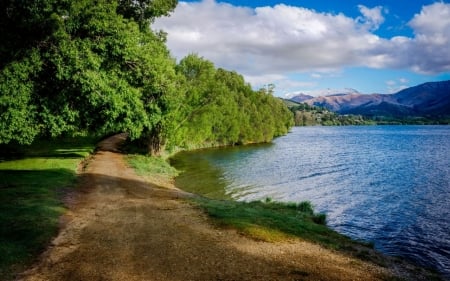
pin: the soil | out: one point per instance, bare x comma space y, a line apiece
122, 227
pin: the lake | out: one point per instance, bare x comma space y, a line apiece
385, 184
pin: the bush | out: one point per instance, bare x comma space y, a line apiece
320, 219
305, 207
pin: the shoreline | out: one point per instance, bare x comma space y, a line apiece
397, 266
245, 171
122, 226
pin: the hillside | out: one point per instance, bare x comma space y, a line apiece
430, 100
307, 115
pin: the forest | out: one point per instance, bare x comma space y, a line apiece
307, 115
71, 68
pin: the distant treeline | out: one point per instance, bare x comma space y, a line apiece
307, 115
391, 120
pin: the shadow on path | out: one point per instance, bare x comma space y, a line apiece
123, 228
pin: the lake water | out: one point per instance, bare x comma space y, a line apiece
385, 184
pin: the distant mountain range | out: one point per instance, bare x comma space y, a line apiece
430, 100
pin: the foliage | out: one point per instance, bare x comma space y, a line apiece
145, 11
220, 108
307, 115
17, 111
97, 67
71, 66
30, 197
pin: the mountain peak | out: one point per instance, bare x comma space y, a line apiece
301, 97
428, 99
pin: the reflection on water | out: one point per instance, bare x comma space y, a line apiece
202, 171
386, 184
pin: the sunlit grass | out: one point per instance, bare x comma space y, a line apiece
273, 221
146, 165
262, 220
32, 182
267, 220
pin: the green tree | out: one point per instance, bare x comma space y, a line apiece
96, 67
71, 66
145, 11
17, 110
220, 108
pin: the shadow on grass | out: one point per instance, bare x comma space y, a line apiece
30, 206
56, 148
143, 229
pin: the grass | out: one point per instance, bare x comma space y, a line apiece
144, 165
268, 220
262, 220
277, 221
32, 182
274, 221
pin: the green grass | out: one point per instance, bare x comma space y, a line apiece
268, 220
274, 221
146, 165
262, 220
32, 182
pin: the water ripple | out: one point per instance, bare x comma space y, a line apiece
385, 184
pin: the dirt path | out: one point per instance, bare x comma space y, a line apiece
121, 228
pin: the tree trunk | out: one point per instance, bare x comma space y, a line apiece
155, 142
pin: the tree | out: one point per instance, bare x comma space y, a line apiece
96, 67
86, 68
145, 11
17, 111
220, 108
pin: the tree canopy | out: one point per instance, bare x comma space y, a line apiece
70, 67
220, 108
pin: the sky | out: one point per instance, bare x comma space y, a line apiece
315, 46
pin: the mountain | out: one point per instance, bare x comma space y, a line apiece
301, 98
426, 100
430, 98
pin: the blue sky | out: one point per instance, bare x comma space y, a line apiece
317, 46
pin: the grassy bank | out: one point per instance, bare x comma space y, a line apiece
263, 220
271, 221
145, 165
278, 221
33, 180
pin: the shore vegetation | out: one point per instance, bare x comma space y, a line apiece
264, 220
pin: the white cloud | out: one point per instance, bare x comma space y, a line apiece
372, 18
283, 83
394, 86
430, 52
391, 83
269, 41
